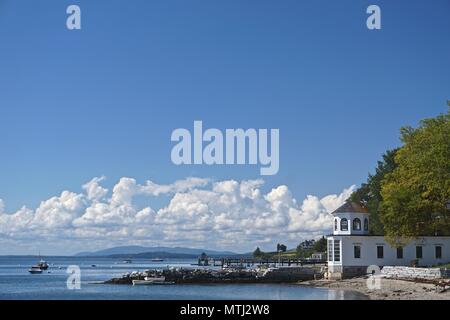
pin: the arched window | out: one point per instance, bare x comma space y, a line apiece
344, 224
335, 225
356, 224
366, 224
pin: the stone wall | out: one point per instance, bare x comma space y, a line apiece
291, 274
354, 271
339, 272
414, 273
389, 272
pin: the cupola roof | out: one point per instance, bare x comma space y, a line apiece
350, 207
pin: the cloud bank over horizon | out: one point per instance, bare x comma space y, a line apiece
229, 214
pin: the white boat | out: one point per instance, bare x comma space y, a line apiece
35, 270
151, 281
39, 267
157, 260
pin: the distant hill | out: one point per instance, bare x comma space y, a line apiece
154, 255
135, 250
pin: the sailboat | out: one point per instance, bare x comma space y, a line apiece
39, 267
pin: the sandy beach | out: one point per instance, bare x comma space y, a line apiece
390, 289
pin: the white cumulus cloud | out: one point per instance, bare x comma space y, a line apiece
227, 214
94, 191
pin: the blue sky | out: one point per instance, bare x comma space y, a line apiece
104, 100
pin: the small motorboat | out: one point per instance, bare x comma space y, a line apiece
35, 270
93, 265
152, 281
157, 260
127, 261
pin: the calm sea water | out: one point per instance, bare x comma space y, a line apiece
17, 283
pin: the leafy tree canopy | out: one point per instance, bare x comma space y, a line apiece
369, 194
320, 245
415, 194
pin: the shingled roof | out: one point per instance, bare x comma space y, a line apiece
352, 207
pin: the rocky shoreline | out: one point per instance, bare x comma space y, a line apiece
229, 275
390, 289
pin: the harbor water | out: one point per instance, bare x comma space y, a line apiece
17, 283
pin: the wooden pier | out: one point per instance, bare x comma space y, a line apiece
249, 262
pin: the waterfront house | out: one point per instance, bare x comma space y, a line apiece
318, 256
351, 249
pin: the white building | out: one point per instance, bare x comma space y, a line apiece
351, 250
318, 256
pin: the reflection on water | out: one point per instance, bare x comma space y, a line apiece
345, 295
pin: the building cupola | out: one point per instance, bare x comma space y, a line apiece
351, 219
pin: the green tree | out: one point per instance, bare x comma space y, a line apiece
257, 253
415, 194
369, 194
305, 249
320, 245
281, 247
302, 252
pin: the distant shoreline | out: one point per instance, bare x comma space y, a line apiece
139, 256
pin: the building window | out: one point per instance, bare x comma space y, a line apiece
337, 250
400, 253
330, 250
357, 252
335, 225
356, 224
380, 252
366, 224
438, 251
419, 252
344, 224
